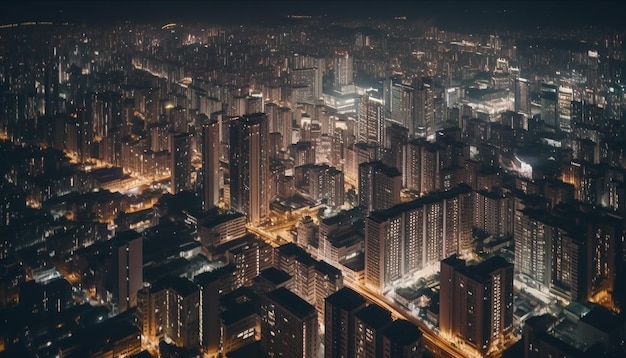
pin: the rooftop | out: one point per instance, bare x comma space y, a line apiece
327, 269
275, 275
396, 210
293, 250
221, 273
181, 285
346, 298
603, 319
374, 316
291, 302
236, 314
403, 332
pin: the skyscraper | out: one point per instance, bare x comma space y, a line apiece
212, 284
493, 213
368, 325
171, 308
522, 96
306, 85
424, 121
289, 326
533, 232
476, 302
183, 313
249, 166
402, 339
249, 254
605, 253
565, 97
128, 255
410, 236
240, 320
402, 104
339, 322
550, 106
180, 165
343, 68
568, 264
307, 233
379, 186
371, 121
211, 164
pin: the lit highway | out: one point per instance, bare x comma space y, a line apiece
434, 344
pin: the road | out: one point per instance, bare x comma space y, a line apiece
433, 343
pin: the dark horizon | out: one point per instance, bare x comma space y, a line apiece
454, 15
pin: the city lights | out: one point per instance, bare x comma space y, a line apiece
419, 179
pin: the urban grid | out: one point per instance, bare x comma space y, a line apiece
359, 179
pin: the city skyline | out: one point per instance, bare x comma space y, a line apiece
320, 179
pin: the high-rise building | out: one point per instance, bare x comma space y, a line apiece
255, 103
128, 256
476, 302
402, 339
343, 69
410, 236
369, 322
321, 182
312, 280
240, 320
114, 337
339, 322
493, 213
180, 165
371, 121
598, 333
424, 120
271, 279
550, 106
40, 298
533, 233
397, 136
307, 71
379, 186
411, 171
80, 134
211, 164
212, 284
301, 266
522, 96
171, 309
605, 255
106, 108
430, 167
566, 97
183, 313
568, 266
289, 325
425, 164
402, 104
328, 280
307, 233
249, 254
220, 228
306, 85
341, 222
249, 166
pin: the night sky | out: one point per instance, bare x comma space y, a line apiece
455, 15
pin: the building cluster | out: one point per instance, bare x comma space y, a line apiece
227, 191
